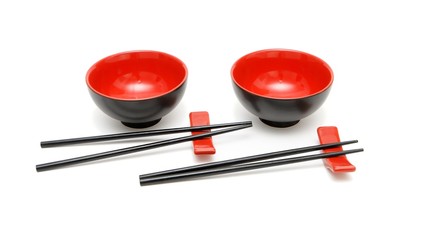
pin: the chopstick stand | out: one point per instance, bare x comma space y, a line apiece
238, 168
123, 151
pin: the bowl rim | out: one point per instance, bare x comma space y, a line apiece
281, 50
182, 82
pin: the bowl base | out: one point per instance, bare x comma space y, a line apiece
141, 125
279, 124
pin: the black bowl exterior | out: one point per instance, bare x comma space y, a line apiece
280, 112
139, 112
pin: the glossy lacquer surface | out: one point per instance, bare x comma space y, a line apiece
281, 86
138, 88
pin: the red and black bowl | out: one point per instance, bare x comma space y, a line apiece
281, 86
137, 88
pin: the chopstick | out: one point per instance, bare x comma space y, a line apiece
118, 136
247, 159
238, 168
138, 148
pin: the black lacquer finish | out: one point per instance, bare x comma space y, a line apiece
280, 112
139, 113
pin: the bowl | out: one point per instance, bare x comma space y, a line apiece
281, 86
137, 88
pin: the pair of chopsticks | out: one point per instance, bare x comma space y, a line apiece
244, 164
230, 127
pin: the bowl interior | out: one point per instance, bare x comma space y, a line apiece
136, 75
282, 74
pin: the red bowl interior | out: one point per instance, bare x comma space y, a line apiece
136, 75
282, 74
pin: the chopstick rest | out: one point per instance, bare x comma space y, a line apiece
338, 164
204, 145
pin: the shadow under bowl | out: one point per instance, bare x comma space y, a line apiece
281, 86
137, 88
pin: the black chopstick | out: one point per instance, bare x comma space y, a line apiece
238, 168
247, 159
123, 151
118, 136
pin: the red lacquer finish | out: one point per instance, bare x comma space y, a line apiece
335, 164
205, 145
282, 74
136, 75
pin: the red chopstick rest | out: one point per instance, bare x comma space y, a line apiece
338, 164
205, 145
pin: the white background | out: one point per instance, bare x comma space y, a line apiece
380, 54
